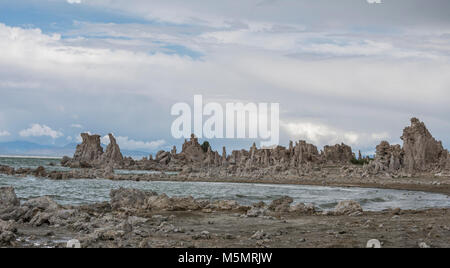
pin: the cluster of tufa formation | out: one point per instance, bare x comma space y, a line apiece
194, 156
90, 153
420, 153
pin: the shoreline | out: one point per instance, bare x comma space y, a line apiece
394, 186
423, 183
32, 157
327, 182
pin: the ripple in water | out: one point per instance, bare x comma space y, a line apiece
84, 191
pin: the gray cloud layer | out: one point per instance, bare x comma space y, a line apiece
341, 70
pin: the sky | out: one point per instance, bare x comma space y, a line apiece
352, 71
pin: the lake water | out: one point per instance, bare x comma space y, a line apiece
86, 191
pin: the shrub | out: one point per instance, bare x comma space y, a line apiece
205, 146
361, 162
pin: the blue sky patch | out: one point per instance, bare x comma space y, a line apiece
57, 16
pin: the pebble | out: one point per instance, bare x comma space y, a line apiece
423, 245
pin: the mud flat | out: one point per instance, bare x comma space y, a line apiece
228, 230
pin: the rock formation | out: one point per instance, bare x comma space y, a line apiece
90, 153
266, 160
447, 163
192, 151
304, 152
388, 159
422, 151
348, 207
112, 154
338, 154
8, 198
89, 150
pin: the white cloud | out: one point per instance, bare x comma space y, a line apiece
4, 133
130, 144
74, 1
37, 130
79, 139
76, 126
322, 134
385, 77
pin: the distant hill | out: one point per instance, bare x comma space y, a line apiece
33, 149
25, 148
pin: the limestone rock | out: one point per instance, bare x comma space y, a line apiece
7, 170
89, 150
447, 163
8, 198
301, 208
282, 204
164, 203
65, 161
257, 209
90, 154
163, 157
8, 226
339, 153
304, 153
44, 203
224, 205
112, 154
422, 151
388, 158
193, 151
128, 198
347, 207
158, 202
40, 172
8, 232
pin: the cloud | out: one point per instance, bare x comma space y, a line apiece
76, 126
37, 130
322, 134
316, 15
130, 144
74, 1
79, 139
4, 133
340, 76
